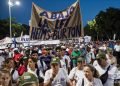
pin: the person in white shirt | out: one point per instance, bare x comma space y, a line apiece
110, 58
41, 64
9, 64
102, 66
65, 60
77, 72
90, 56
13, 71
56, 76
90, 78
117, 47
32, 68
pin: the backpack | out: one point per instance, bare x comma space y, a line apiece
104, 77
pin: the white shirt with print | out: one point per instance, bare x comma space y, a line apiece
60, 79
76, 74
111, 73
95, 82
35, 72
65, 57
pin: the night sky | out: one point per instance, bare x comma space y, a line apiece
89, 8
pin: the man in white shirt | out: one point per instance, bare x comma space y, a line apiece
41, 64
56, 76
117, 52
77, 72
101, 66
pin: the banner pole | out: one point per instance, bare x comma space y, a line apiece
82, 30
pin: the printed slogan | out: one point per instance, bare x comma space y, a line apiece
47, 25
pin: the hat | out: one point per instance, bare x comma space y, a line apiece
80, 59
25, 58
55, 60
101, 56
27, 78
63, 47
109, 50
15, 49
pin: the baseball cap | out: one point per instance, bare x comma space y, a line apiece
80, 59
101, 56
25, 58
27, 78
109, 50
55, 60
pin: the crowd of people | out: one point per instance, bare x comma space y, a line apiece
76, 64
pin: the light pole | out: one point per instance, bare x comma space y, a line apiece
11, 4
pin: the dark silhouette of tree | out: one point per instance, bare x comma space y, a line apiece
17, 28
105, 25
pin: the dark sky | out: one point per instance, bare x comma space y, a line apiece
89, 8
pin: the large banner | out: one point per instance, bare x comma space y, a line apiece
47, 25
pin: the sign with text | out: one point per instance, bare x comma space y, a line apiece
47, 25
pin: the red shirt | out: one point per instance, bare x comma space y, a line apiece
17, 57
21, 70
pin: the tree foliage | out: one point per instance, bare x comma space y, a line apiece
16, 28
106, 24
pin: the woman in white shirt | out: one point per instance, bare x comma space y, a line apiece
91, 77
32, 68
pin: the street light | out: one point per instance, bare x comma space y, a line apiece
11, 4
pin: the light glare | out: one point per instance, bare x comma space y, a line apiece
17, 3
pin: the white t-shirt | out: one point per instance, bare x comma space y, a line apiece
15, 75
117, 48
65, 57
76, 74
60, 79
42, 68
35, 72
111, 73
1, 61
89, 56
112, 60
96, 82
63, 64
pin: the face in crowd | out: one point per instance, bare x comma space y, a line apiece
31, 63
90, 72
11, 63
5, 78
80, 64
55, 67
102, 60
34, 55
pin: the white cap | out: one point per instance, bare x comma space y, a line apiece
67, 49
63, 47
15, 49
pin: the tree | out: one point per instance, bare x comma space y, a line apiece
108, 23
105, 25
17, 28
91, 29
